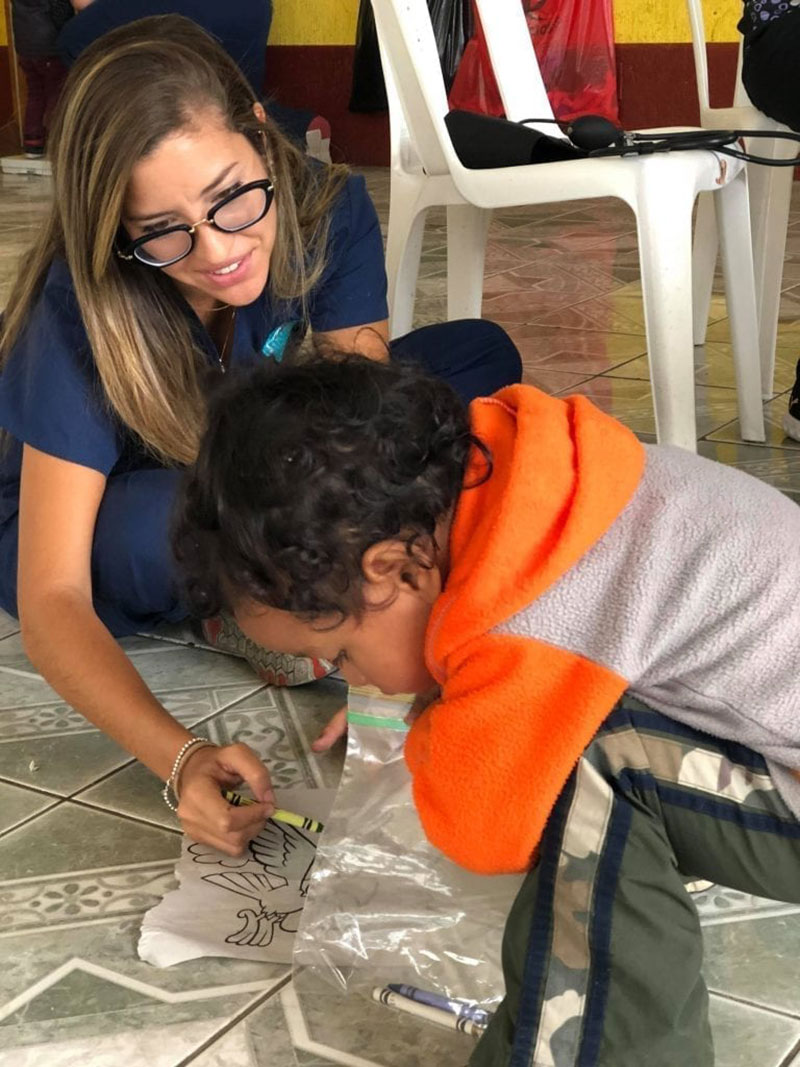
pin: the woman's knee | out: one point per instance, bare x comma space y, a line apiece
475, 356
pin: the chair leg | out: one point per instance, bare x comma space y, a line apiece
733, 218
770, 197
467, 227
403, 252
704, 259
664, 224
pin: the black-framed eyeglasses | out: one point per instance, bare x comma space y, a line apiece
244, 207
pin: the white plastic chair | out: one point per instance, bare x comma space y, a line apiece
660, 189
770, 198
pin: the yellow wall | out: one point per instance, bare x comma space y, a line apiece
636, 21
323, 22
666, 21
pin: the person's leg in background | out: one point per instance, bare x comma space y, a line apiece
475, 356
602, 952
33, 129
769, 68
769, 73
54, 74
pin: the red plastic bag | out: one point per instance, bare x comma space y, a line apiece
574, 43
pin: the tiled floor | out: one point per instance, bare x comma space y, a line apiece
86, 845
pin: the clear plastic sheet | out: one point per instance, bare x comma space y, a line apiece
386, 908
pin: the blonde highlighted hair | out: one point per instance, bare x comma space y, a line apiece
128, 91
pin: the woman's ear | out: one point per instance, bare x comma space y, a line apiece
389, 569
260, 113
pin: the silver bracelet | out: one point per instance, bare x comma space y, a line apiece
170, 786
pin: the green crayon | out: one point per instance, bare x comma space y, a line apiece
302, 822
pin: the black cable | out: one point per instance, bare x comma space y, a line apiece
586, 131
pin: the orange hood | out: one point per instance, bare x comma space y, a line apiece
490, 758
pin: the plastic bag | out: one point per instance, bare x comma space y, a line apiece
452, 28
385, 908
574, 43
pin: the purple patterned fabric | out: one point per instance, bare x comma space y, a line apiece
757, 12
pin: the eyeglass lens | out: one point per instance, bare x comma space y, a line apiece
238, 213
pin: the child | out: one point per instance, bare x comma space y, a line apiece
614, 629
36, 24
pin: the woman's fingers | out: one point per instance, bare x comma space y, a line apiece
242, 762
205, 814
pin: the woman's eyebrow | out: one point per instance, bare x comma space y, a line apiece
204, 192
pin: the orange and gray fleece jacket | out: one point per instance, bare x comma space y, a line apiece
585, 565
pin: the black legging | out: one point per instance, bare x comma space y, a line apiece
769, 68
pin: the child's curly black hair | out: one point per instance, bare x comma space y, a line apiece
302, 468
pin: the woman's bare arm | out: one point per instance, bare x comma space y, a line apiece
77, 655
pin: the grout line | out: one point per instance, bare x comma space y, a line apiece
132, 761
747, 1003
140, 820
33, 788
789, 1059
234, 1021
31, 818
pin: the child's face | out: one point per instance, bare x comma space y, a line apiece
385, 648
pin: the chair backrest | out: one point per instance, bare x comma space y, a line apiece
700, 52
414, 85
514, 62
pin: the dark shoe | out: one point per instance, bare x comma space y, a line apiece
791, 420
33, 149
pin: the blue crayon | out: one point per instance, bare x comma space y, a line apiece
463, 1008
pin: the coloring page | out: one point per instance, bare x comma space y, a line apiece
245, 907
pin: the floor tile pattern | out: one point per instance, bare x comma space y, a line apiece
86, 845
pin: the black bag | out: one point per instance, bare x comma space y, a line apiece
452, 28
368, 92
482, 142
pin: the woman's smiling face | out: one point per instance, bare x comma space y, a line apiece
180, 182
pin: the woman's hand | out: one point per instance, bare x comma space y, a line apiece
205, 814
336, 728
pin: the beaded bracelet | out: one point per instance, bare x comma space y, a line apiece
170, 786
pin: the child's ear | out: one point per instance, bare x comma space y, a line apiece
388, 568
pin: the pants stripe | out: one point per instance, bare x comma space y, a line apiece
538, 954
600, 933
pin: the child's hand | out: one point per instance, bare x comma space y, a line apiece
336, 728
204, 813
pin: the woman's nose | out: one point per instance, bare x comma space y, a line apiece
213, 245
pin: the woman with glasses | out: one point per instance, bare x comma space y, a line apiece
187, 238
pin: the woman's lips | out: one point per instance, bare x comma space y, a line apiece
231, 273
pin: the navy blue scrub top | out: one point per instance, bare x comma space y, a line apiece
50, 392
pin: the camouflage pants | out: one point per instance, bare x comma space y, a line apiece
602, 950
